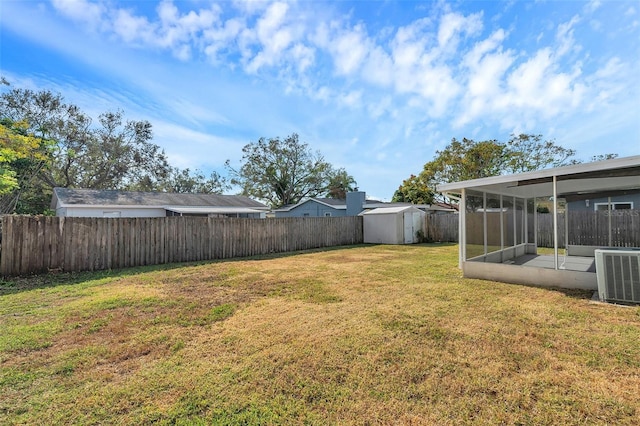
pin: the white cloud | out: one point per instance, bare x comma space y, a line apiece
592, 6
133, 29
273, 36
487, 65
304, 56
349, 49
612, 68
526, 82
177, 31
565, 38
453, 25
378, 108
351, 99
419, 67
378, 68
81, 11
410, 43
218, 39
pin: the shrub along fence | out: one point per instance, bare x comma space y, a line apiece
588, 228
35, 244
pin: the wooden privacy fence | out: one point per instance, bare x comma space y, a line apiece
589, 228
34, 244
441, 227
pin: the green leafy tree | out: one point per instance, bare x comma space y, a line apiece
22, 157
195, 182
468, 159
114, 154
602, 157
415, 189
529, 152
282, 171
340, 182
460, 160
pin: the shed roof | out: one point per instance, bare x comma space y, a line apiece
94, 197
587, 178
390, 210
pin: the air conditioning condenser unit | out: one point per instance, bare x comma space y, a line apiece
618, 274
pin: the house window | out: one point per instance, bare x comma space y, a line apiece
614, 206
305, 215
327, 214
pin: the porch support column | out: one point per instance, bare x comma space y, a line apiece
525, 237
566, 229
609, 210
535, 223
462, 233
484, 221
515, 222
555, 222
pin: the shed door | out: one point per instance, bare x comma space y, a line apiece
408, 228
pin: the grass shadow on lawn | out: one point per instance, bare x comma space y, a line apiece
573, 293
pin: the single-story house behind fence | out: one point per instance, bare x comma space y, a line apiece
617, 200
102, 203
354, 204
393, 225
498, 227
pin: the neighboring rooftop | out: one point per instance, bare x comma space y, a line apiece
94, 197
336, 203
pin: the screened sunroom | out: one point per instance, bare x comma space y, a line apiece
505, 236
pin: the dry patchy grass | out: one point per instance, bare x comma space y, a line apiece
364, 335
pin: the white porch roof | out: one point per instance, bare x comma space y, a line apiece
588, 178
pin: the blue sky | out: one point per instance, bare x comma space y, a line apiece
376, 87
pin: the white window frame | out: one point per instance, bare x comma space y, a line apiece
327, 214
613, 205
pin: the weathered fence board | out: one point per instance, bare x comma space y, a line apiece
34, 244
441, 227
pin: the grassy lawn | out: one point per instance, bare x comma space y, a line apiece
362, 335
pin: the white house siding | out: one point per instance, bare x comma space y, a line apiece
110, 212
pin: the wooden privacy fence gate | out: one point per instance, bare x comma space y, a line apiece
35, 244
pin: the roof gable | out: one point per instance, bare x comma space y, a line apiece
334, 203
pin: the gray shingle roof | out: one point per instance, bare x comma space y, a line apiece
94, 197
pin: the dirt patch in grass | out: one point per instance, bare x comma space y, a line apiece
374, 334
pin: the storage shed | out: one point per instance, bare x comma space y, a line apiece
393, 225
